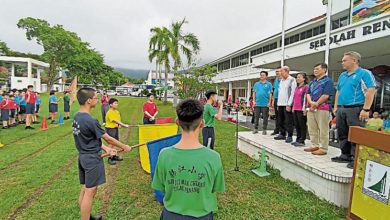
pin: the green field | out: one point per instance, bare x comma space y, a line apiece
39, 177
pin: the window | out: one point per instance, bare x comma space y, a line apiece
322, 29
242, 93
224, 65
335, 24
316, 31
309, 33
303, 35
266, 48
344, 21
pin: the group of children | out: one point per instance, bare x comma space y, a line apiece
187, 161
22, 105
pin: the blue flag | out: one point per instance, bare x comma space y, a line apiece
154, 148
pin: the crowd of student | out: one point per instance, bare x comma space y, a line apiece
23, 107
310, 107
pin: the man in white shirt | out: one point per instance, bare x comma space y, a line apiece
286, 90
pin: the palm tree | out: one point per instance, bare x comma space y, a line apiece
186, 43
155, 48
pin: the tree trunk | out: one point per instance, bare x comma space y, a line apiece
166, 83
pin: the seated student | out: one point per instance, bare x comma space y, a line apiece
66, 105
376, 121
5, 110
189, 162
12, 108
53, 106
386, 124
87, 134
113, 122
150, 110
22, 107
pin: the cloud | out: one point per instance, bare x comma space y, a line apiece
119, 29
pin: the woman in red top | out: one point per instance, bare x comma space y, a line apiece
105, 106
150, 110
299, 109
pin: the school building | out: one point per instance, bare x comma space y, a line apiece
362, 26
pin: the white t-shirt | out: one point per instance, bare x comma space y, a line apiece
286, 91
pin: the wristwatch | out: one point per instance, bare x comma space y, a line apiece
366, 109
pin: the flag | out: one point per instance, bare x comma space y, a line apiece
154, 148
149, 133
164, 120
73, 89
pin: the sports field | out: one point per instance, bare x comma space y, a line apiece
39, 177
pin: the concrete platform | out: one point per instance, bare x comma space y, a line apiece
328, 180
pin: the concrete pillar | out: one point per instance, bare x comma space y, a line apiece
12, 69
29, 72
231, 89
225, 94
249, 92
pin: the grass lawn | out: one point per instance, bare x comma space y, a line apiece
39, 177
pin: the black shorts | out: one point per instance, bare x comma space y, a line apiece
12, 113
147, 121
22, 109
167, 215
30, 108
53, 108
66, 107
4, 114
208, 132
37, 108
113, 132
91, 170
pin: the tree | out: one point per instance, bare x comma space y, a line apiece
195, 81
58, 44
156, 44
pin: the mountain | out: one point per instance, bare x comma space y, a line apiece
133, 73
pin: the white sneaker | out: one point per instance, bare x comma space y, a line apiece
255, 131
104, 124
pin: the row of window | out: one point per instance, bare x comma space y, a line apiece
240, 60
244, 58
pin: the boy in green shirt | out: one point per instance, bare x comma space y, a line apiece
188, 172
209, 117
66, 105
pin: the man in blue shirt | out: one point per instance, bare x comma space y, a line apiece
275, 100
354, 96
262, 93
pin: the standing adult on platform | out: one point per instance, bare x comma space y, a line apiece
299, 109
318, 116
105, 106
275, 100
262, 92
354, 96
286, 90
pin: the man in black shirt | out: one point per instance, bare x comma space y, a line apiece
87, 134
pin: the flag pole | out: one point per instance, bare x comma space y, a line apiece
327, 29
134, 146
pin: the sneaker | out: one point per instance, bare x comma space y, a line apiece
53, 122
255, 131
264, 132
29, 127
111, 161
104, 124
5, 127
299, 144
273, 133
294, 143
280, 137
35, 122
350, 165
96, 217
289, 140
117, 158
342, 159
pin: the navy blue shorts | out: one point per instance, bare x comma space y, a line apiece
22, 109
113, 132
167, 215
4, 114
30, 108
147, 121
66, 107
53, 108
37, 108
12, 115
91, 170
208, 132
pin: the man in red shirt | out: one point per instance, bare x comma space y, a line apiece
30, 98
4, 111
150, 110
12, 105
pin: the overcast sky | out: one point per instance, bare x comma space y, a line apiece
120, 29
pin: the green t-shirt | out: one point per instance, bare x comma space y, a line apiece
208, 115
66, 99
189, 177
